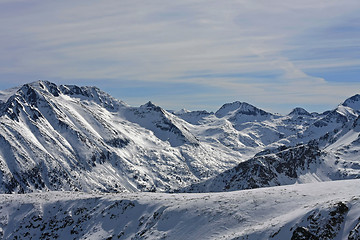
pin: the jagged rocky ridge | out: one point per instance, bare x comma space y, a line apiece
333, 156
286, 166
81, 139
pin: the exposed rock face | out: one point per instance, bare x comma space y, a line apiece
75, 138
81, 139
322, 224
300, 112
282, 167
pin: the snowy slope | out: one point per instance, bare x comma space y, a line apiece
353, 102
324, 147
246, 128
333, 156
298, 164
66, 146
305, 211
193, 117
79, 138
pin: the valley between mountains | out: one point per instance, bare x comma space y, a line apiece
76, 163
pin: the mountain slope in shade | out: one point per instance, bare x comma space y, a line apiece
353, 102
287, 166
305, 211
333, 156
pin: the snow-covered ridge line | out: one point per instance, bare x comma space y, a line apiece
72, 138
322, 210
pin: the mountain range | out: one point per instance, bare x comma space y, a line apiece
81, 139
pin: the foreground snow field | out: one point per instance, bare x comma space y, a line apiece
327, 210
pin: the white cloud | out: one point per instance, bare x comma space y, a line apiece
166, 41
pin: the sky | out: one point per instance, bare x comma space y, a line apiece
193, 54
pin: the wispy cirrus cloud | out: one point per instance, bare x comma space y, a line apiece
259, 51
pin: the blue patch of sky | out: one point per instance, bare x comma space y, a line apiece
337, 74
130, 90
176, 13
280, 107
324, 53
120, 88
347, 29
250, 75
10, 80
142, 89
8, 9
338, 43
68, 44
180, 95
137, 88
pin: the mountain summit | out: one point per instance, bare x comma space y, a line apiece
79, 138
66, 137
353, 102
299, 111
239, 108
70, 144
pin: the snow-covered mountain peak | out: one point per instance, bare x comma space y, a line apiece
43, 88
151, 108
85, 93
299, 111
23, 100
80, 139
346, 111
181, 111
29, 93
150, 105
93, 94
339, 116
231, 109
353, 102
39, 87
81, 131
163, 124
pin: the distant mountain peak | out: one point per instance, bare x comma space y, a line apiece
353, 102
151, 106
66, 137
181, 111
44, 86
239, 108
299, 111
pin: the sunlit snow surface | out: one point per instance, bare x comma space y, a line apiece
70, 145
79, 138
266, 213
